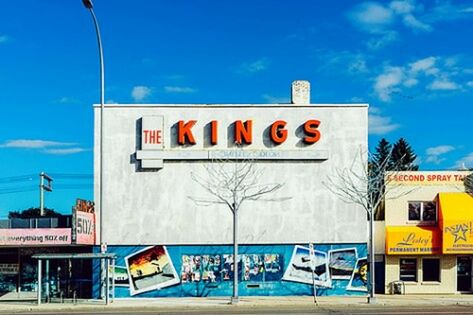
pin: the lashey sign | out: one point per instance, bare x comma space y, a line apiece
413, 240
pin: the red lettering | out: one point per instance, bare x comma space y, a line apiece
243, 132
184, 132
310, 129
152, 136
278, 134
213, 132
146, 132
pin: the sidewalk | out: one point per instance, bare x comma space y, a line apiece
245, 302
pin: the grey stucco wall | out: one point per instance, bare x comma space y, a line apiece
152, 207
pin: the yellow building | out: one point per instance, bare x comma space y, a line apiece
428, 233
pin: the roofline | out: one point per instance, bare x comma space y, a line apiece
361, 105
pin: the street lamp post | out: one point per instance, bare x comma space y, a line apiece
89, 5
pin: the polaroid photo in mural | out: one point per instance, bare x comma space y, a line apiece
150, 269
273, 267
227, 270
252, 267
359, 278
211, 268
301, 266
342, 262
120, 275
191, 268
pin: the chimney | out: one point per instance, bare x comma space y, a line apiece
300, 92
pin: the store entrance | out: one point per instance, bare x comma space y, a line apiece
464, 266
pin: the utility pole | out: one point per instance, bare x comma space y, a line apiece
42, 187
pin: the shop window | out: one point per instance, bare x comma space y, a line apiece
423, 211
408, 269
431, 269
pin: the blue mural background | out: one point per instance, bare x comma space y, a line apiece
224, 287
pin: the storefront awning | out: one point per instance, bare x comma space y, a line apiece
413, 240
456, 222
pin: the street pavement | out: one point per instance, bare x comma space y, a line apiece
385, 304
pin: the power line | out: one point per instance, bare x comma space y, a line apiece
71, 176
73, 186
15, 179
61, 177
19, 189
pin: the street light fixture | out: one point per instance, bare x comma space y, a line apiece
89, 5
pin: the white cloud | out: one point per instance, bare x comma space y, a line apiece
110, 102
140, 92
33, 144
64, 151
434, 154
383, 40
371, 17
68, 100
469, 84
179, 89
347, 61
441, 149
387, 82
380, 125
356, 99
4, 39
413, 23
255, 66
410, 82
430, 73
402, 7
275, 99
465, 162
380, 20
443, 84
445, 11
425, 65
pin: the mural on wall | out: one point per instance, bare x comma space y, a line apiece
150, 269
342, 262
301, 266
273, 267
120, 273
195, 268
359, 278
211, 268
200, 270
253, 267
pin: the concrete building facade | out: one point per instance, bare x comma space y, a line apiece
170, 245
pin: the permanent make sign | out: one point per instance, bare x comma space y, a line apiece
412, 240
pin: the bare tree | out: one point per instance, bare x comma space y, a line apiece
231, 183
367, 184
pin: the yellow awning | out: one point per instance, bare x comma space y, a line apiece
456, 222
413, 240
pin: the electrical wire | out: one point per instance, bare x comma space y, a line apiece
58, 182
15, 179
56, 176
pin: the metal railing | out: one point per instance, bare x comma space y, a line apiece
37, 223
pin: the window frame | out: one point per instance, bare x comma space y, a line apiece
421, 214
439, 269
416, 279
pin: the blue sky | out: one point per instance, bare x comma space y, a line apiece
411, 61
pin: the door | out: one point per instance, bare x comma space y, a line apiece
464, 274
